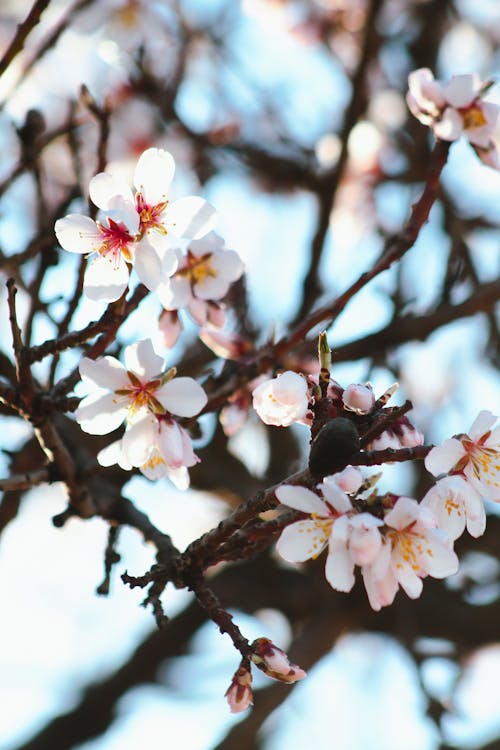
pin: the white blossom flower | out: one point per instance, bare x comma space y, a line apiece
282, 400
455, 503
274, 662
134, 227
203, 276
412, 549
476, 456
157, 445
239, 693
352, 538
128, 392
358, 398
455, 108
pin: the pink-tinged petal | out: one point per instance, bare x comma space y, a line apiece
450, 127
190, 217
365, 542
198, 309
427, 93
216, 315
138, 440
106, 278
447, 509
415, 108
480, 137
174, 293
406, 577
486, 479
476, 525
153, 175
462, 90
189, 456
183, 397
170, 259
105, 372
339, 567
482, 424
491, 111
442, 459
147, 265
301, 541
155, 467
404, 513
171, 444
227, 264
78, 234
113, 454
493, 441
232, 418
211, 287
141, 359
438, 558
336, 498
489, 156
170, 326
210, 243
380, 591
290, 387
349, 479
103, 188
101, 413
381, 565
358, 398
300, 498
122, 211
179, 477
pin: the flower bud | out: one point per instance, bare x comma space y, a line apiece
239, 693
170, 326
274, 662
358, 398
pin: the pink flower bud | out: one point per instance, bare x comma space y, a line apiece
170, 326
216, 314
274, 662
358, 398
349, 480
239, 693
224, 343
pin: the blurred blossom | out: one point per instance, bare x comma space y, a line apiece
387, 109
327, 150
365, 143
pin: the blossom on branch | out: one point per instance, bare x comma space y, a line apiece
282, 400
134, 228
454, 109
456, 504
274, 662
239, 693
476, 456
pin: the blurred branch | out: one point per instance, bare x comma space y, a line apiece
23, 30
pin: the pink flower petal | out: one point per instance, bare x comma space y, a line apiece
450, 127
339, 567
462, 90
442, 459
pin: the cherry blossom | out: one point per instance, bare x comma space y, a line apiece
358, 398
412, 548
203, 277
282, 400
401, 434
274, 662
454, 109
239, 693
455, 503
135, 227
352, 538
475, 456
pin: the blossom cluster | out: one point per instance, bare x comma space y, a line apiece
144, 230
396, 541
454, 109
147, 399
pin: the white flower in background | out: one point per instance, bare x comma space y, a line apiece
455, 503
412, 549
282, 400
134, 228
129, 392
157, 445
203, 277
239, 693
475, 456
358, 398
352, 538
454, 109
274, 662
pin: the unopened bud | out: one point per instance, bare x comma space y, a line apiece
239, 693
274, 662
358, 398
170, 326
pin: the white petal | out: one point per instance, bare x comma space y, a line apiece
138, 440
183, 397
404, 513
365, 544
462, 90
210, 243
105, 372
482, 424
198, 309
336, 498
408, 579
78, 234
339, 567
301, 541
103, 188
153, 175
380, 591
439, 558
227, 264
105, 280
155, 467
179, 477
448, 511
101, 413
174, 293
147, 265
443, 458
289, 387
480, 136
190, 217
477, 525
113, 454
211, 287
169, 261
300, 498
449, 127
141, 359
123, 211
